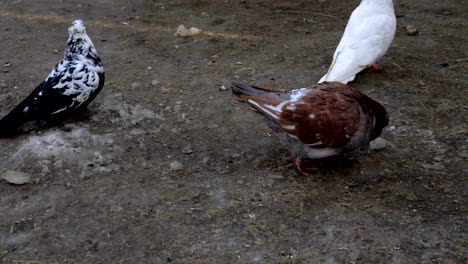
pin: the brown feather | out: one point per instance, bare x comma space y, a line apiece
323, 116
325, 119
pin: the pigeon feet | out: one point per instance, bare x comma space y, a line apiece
304, 170
375, 68
79, 117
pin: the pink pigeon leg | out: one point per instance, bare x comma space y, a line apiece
375, 68
300, 167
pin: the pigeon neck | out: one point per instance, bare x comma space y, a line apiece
81, 47
387, 3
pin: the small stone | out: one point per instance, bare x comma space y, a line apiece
184, 32
176, 166
3, 85
16, 177
187, 150
135, 84
56, 51
154, 82
433, 166
446, 13
378, 144
411, 30
223, 88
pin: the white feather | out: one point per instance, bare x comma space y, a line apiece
319, 153
297, 94
267, 111
289, 127
367, 37
278, 107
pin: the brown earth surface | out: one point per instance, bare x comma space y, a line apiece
169, 169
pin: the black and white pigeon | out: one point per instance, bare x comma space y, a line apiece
316, 122
70, 87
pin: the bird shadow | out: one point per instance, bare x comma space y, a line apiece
60, 122
341, 164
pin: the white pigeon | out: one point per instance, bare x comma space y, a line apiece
367, 37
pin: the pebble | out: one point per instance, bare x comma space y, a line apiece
433, 166
3, 85
183, 32
154, 82
176, 166
411, 30
378, 144
187, 150
222, 88
16, 177
135, 84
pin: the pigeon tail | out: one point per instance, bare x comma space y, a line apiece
243, 92
10, 124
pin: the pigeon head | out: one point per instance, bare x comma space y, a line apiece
77, 27
380, 120
80, 47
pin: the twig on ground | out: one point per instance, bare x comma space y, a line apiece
302, 12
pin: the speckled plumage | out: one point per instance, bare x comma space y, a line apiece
73, 83
316, 122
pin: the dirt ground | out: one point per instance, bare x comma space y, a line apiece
169, 169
